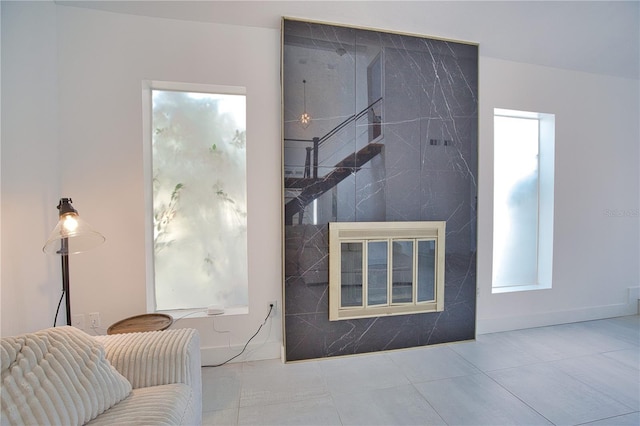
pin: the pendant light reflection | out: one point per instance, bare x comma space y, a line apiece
305, 118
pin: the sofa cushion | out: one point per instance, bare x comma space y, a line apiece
155, 405
57, 376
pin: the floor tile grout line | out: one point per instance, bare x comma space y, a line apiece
607, 418
577, 378
429, 403
413, 385
335, 407
518, 398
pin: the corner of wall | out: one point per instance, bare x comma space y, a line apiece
634, 299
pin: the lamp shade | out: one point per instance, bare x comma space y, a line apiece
72, 234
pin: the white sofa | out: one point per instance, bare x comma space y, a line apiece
64, 376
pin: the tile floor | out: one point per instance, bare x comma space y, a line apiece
573, 374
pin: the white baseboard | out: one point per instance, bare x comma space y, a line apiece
255, 352
542, 319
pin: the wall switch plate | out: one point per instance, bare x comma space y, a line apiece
94, 319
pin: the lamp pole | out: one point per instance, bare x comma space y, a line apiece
64, 257
69, 226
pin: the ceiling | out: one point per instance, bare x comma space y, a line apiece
590, 36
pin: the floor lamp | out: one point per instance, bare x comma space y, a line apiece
70, 236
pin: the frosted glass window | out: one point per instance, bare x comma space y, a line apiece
515, 201
523, 200
199, 199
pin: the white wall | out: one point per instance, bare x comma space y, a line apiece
595, 265
71, 115
99, 61
31, 284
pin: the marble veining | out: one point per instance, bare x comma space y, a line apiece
427, 125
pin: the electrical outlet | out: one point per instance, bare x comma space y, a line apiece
275, 307
77, 320
94, 319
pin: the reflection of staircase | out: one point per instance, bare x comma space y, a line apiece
312, 188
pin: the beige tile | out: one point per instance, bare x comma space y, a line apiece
308, 412
402, 405
477, 400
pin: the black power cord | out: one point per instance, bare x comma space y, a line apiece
55, 319
246, 344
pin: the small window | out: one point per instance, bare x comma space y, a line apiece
385, 268
522, 200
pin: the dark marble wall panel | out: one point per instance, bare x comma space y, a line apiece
426, 170
371, 186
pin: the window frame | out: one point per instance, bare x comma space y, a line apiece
366, 232
148, 86
545, 205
